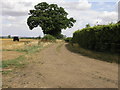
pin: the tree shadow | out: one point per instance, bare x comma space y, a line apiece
74, 49
109, 57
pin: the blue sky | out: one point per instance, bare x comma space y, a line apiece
14, 15
104, 6
95, 0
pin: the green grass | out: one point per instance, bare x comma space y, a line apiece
31, 49
109, 57
21, 60
13, 63
6, 72
17, 62
27, 49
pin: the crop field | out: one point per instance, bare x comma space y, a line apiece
15, 54
9, 48
9, 44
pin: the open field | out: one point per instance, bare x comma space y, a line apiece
57, 67
10, 49
8, 55
9, 44
15, 54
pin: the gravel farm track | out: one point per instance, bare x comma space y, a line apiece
57, 67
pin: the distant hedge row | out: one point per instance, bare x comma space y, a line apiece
99, 38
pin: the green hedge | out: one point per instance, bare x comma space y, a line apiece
99, 38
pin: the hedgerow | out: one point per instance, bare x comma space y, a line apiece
99, 38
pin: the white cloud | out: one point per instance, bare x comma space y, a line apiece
21, 7
15, 13
84, 5
11, 18
109, 16
119, 11
90, 16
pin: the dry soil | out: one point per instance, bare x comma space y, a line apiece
57, 67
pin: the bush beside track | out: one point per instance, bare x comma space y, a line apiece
105, 38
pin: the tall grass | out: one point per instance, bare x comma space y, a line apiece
109, 57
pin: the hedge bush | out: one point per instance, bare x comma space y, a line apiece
99, 38
49, 38
68, 39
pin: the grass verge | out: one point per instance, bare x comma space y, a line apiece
31, 49
27, 49
8, 65
109, 57
17, 62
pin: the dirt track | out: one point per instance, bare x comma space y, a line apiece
57, 67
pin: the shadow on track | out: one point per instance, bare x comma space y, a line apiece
109, 57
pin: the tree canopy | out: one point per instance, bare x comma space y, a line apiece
51, 18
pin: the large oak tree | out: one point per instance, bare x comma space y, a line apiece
51, 18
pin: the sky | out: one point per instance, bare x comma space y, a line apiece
15, 13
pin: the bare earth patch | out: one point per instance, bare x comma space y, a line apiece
8, 55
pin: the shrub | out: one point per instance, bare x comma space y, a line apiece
60, 36
49, 37
68, 39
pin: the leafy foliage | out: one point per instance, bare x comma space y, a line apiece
9, 36
87, 25
51, 18
60, 36
99, 38
68, 39
49, 37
